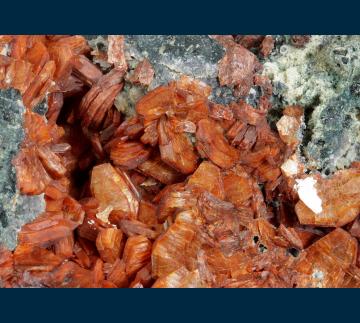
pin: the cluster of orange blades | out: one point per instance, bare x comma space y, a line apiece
187, 193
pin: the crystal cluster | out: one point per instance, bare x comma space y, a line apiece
185, 193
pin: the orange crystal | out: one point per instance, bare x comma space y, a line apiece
110, 187
340, 201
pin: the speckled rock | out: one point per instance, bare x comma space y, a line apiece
323, 77
335, 134
171, 56
15, 209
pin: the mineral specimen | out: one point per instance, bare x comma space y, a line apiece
149, 162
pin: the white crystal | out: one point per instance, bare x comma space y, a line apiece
308, 194
290, 167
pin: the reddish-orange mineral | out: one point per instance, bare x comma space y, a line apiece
172, 146
116, 51
237, 68
185, 193
112, 187
334, 202
211, 143
327, 262
267, 46
143, 73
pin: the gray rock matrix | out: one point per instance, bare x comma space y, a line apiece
324, 78
15, 209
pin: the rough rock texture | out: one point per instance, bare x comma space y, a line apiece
170, 57
323, 77
15, 209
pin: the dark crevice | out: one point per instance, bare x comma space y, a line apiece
273, 116
262, 248
41, 108
294, 252
309, 127
3, 219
